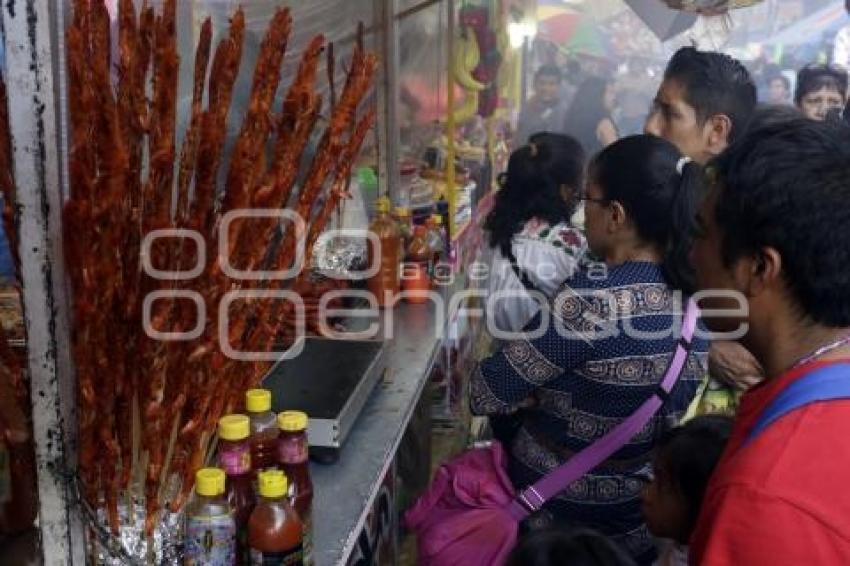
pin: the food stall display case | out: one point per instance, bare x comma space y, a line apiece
416, 122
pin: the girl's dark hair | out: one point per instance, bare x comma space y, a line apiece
579, 547
640, 172
586, 112
688, 454
812, 78
770, 114
531, 187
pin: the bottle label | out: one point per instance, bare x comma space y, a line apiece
292, 450
236, 460
293, 557
210, 540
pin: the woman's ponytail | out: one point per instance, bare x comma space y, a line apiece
686, 201
661, 192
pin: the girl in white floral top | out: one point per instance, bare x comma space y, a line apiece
530, 227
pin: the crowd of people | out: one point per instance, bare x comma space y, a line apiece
599, 240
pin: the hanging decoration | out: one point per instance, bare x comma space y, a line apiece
709, 7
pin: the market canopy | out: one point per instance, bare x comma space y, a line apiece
572, 29
824, 20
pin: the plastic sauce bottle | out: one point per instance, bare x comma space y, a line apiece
210, 526
275, 532
386, 281
418, 250
405, 225
436, 241
258, 403
292, 452
234, 456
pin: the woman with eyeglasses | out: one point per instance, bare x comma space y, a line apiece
821, 91
606, 343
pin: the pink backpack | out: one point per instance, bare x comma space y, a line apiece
470, 514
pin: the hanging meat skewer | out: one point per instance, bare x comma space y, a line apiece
124, 185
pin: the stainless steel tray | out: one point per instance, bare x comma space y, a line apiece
330, 380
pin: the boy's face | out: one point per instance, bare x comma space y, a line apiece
672, 118
547, 88
778, 93
712, 274
664, 508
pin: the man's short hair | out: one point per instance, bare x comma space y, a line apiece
548, 71
714, 83
787, 186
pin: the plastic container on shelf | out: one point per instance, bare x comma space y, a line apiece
408, 176
416, 283
405, 225
385, 284
275, 532
292, 457
418, 250
234, 456
367, 182
421, 193
258, 404
436, 237
210, 525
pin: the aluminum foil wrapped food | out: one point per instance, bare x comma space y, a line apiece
341, 255
131, 547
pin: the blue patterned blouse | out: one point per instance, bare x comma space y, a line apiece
606, 347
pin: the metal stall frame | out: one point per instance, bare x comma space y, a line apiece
35, 79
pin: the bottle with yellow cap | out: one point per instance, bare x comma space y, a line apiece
234, 456
292, 456
258, 404
275, 531
385, 284
210, 526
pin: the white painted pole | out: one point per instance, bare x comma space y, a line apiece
33, 75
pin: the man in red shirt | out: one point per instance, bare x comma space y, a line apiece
775, 229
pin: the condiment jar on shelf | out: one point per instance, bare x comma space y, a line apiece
275, 532
384, 285
234, 456
258, 404
210, 526
292, 457
416, 280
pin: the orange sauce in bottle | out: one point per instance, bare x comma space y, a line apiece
275, 532
385, 284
